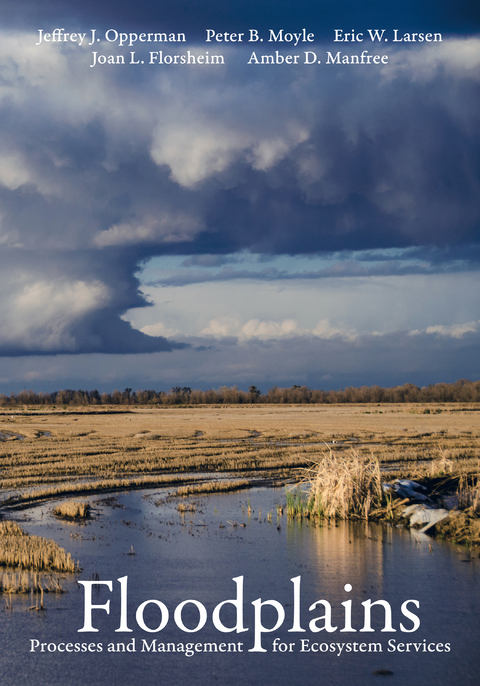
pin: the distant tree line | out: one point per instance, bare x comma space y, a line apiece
462, 391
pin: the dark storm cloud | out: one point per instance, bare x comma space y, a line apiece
100, 333
396, 172
100, 170
70, 302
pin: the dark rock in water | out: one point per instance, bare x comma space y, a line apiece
383, 672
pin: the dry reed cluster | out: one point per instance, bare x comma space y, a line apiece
468, 492
18, 549
186, 507
72, 510
344, 485
26, 582
461, 527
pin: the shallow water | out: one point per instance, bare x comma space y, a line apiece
198, 555
11, 436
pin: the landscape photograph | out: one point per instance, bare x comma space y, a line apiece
239, 343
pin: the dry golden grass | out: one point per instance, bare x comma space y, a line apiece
9, 528
468, 492
71, 509
461, 527
213, 487
138, 448
26, 582
186, 507
18, 549
344, 485
94, 486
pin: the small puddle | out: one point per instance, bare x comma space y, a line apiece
11, 436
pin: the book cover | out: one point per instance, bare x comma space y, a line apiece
248, 197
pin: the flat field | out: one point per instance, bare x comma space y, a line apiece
44, 453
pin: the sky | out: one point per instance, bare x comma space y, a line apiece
238, 222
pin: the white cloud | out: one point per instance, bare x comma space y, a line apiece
39, 315
268, 329
453, 331
159, 329
13, 172
195, 150
222, 127
167, 229
254, 328
325, 330
457, 57
221, 327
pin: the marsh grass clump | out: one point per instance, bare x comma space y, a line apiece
16, 582
26, 582
442, 465
18, 549
299, 504
71, 509
213, 487
461, 527
468, 492
344, 485
186, 507
9, 528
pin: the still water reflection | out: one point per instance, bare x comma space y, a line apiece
196, 556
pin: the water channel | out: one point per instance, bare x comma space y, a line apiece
173, 558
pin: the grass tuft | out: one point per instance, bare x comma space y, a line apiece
26, 582
213, 487
71, 509
344, 485
9, 528
18, 549
298, 503
186, 507
468, 492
